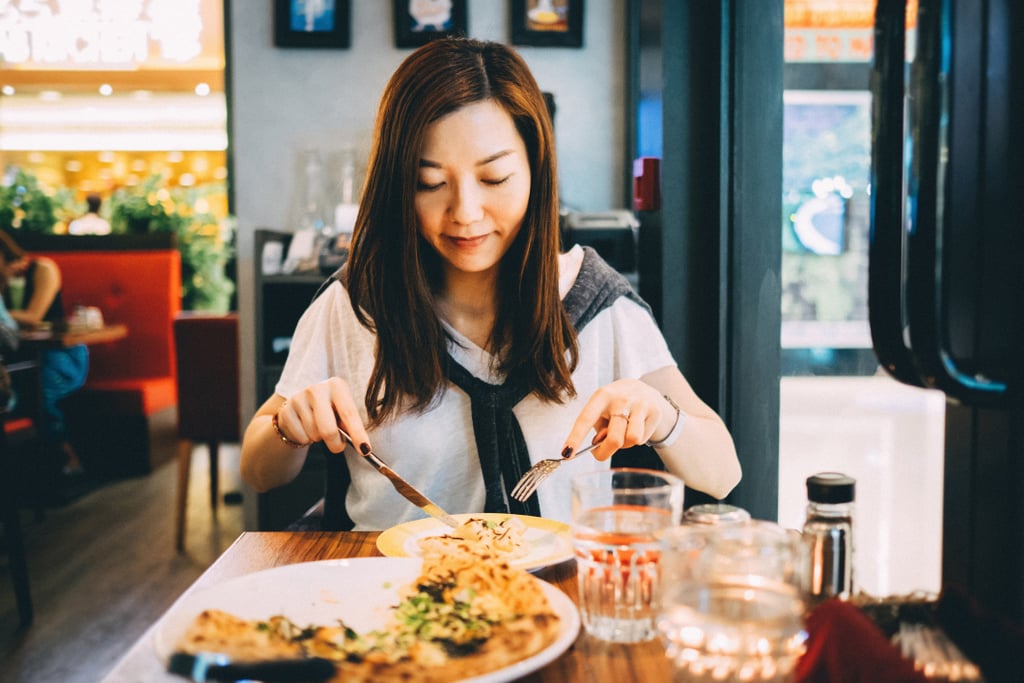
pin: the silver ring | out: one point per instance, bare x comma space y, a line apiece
624, 414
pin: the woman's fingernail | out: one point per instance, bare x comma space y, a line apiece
567, 451
364, 448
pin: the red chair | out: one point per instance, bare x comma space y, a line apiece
206, 346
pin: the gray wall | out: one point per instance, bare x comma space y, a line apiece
284, 100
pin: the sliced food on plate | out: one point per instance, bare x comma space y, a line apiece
484, 536
465, 615
525, 542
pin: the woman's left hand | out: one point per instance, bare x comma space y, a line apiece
625, 413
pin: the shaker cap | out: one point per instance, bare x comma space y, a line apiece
715, 513
830, 487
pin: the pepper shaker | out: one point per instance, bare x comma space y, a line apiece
828, 532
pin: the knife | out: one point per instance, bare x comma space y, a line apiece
211, 666
408, 491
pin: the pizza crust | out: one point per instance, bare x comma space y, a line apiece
510, 643
241, 639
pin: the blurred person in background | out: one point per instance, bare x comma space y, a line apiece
32, 294
91, 223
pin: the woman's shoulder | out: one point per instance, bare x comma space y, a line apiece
569, 264
43, 265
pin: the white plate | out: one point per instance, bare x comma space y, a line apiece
360, 591
548, 541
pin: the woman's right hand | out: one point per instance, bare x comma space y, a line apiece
307, 416
315, 413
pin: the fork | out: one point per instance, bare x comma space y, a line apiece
529, 482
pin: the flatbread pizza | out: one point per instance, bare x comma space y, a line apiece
464, 615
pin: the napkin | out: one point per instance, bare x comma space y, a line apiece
845, 646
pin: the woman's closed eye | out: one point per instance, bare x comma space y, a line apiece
497, 181
424, 186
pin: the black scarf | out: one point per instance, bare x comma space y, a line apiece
499, 440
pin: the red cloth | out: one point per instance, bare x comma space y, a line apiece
845, 646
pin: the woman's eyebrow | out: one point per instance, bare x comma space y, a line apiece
427, 163
494, 157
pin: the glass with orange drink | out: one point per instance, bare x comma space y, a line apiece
616, 517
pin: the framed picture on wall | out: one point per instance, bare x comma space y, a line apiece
546, 23
311, 23
420, 21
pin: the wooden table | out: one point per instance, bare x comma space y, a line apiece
41, 339
589, 660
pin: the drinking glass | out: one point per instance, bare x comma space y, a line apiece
616, 516
16, 287
733, 601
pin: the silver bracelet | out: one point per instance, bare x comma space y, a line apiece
673, 434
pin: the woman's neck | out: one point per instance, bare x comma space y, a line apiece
469, 303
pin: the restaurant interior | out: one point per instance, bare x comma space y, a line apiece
229, 150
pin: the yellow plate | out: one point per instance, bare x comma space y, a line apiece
547, 540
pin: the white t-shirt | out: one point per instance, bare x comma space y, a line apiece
435, 450
89, 224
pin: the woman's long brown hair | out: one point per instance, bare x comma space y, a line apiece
392, 274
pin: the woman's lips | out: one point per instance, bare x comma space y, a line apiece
467, 242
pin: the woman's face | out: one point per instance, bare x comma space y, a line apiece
473, 187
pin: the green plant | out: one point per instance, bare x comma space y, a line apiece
205, 242
206, 248
25, 205
148, 207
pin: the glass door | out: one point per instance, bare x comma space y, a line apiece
839, 411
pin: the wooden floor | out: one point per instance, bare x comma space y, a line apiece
104, 568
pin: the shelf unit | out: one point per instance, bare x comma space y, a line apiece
279, 303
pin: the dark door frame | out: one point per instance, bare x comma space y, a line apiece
713, 253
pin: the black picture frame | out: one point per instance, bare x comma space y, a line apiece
410, 32
529, 24
330, 29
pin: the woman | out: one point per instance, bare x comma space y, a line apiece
32, 294
457, 340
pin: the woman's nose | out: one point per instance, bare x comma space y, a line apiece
467, 204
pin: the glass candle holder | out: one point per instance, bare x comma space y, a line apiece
733, 601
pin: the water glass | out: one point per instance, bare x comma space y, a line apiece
733, 601
616, 517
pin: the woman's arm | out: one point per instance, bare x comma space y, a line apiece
703, 454
632, 412
268, 462
45, 285
272, 457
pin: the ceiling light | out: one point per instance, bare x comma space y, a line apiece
203, 89
7, 90
106, 89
